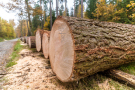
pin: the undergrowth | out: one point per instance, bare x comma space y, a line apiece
128, 68
15, 55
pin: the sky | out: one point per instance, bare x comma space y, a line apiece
12, 15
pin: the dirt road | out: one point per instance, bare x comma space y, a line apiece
6, 48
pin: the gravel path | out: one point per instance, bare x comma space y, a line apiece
6, 49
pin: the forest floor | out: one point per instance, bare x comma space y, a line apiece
33, 72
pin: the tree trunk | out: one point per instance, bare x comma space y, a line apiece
39, 35
29, 33
45, 43
66, 7
81, 47
50, 16
32, 42
56, 8
74, 8
41, 15
81, 8
28, 11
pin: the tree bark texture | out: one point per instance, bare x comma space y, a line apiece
32, 43
98, 46
27, 40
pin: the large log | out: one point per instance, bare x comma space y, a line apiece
32, 43
45, 43
39, 35
122, 76
81, 47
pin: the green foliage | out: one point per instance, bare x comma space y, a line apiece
128, 68
91, 8
14, 55
6, 29
36, 22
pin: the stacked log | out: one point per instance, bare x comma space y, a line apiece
81, 47
22, 39
27, 40
32, 42
39, 35
45, 43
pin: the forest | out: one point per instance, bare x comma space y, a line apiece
41, 13
7, 29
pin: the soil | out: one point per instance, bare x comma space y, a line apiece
32, 72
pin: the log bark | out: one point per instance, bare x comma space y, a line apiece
27, 40
39, 35
81, 47
23, 39
32, 43
45, 44
122, 76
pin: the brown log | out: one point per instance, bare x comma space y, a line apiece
45, 44
122, 76
22, 39
81, 47
32, 42
27, 40
39, 35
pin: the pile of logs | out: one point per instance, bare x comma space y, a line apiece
80, 47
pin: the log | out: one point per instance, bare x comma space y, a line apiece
82, 47
32, 43
27, 40
39, 35
21, 38
45, 44
122, 76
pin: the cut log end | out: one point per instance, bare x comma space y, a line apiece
82, 47
45, 44
31, 42
61, 50
39, 35
38, 41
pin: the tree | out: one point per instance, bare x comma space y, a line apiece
71, 13
81, 8
56, 8
50, 15
91, 6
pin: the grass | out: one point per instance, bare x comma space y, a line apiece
2, 39
15, 55
128, 68
91, 83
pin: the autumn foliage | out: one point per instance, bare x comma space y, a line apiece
6, 29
